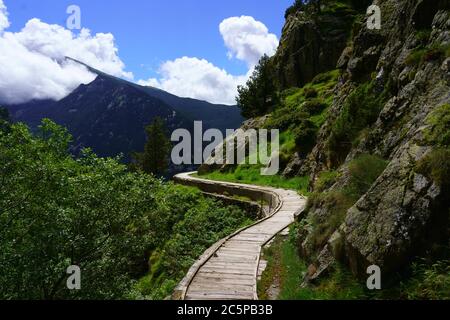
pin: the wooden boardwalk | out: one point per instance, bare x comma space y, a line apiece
229, 269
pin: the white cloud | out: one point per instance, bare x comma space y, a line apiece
247, 39
32, 64
4, 23
197, 78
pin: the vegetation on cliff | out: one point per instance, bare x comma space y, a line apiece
372, 137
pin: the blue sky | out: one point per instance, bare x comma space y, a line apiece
149, 32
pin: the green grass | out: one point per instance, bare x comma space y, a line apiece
425, 54
424, 280
250, 174
360, 111
287, 269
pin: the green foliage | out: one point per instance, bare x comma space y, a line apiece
415, 57
259, 95
305, 136
155, 158
287, 269
315, 106
428, 281
204, 222
303, 111
310, 92
360, 110
56, 211
251, 175
363, 171
4, 114
325, 77
438, 132
336, 203
436, 165
286, 119
426, 54
423, 36
326, 180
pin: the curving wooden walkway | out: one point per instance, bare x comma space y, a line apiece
229, 269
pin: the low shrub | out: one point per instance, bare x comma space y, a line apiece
438, 121
428, 282
436, 166
310, 92
421, 55
326, 180
364, 170
314, 106
361, 110
305, 136
415, 57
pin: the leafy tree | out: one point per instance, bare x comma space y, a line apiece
57, 211
155, 158
259, 95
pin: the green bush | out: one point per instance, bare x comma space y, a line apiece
286, 119
314, 106
436, 165
326, 180
310, 92
438, 132
428, 282
421, 55
361, 110
415, 57
363, 171
305, 136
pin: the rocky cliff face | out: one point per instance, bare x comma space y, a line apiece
312, 43
404, 212
391, 108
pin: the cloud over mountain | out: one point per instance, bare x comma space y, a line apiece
32, 64
197, 78
246, 40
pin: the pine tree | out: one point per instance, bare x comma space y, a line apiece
259, 94
155, 158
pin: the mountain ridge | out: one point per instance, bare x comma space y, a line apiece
109, 114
